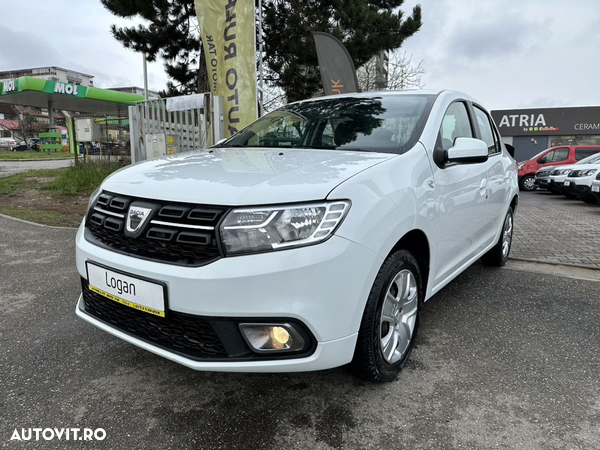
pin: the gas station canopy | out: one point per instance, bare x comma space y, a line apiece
39, 93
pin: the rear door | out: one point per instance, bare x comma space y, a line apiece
498, 186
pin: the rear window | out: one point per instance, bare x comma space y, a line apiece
582, 153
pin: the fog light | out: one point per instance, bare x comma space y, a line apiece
269, 337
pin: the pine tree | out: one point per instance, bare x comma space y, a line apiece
172, 34
364, 26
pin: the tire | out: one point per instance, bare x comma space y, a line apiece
527, 183
369, 361
498, 254
590, 200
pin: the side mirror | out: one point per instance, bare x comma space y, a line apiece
510, 149
468, 151
542, 160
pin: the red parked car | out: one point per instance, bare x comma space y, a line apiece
553, 156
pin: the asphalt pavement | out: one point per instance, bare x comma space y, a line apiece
505, 359
12, 167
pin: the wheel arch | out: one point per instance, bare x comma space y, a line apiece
416, 242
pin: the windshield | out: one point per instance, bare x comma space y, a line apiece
386, 124
590, 159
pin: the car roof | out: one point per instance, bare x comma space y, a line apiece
370, 94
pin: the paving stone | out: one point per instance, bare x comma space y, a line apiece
552, 228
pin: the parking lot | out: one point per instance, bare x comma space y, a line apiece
555, 229
505, 359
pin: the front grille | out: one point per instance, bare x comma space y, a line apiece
188, 335
175, 233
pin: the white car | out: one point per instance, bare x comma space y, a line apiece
579, 180
558, 174
596, 187
306, 241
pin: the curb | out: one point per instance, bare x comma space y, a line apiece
35, 223
34, 160
560, 264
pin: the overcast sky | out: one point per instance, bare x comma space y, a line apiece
505, 53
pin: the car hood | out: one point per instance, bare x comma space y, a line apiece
585, 166
236, 176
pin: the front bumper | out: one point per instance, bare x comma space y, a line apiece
580, 190
543, 183
596, 193
325, 287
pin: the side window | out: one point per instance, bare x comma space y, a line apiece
454, 125
560, 154
487, 133
582, 153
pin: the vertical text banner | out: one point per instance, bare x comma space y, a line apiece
228, 37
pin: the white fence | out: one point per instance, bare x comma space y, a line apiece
155, 131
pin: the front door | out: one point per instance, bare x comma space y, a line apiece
461, 191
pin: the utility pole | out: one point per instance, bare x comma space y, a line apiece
381, 70
145, 77
260, 58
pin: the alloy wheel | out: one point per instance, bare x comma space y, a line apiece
398, 316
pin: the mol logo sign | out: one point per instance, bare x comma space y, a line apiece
64, 88
10, 86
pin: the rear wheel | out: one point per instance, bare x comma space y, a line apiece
390, 320
527, 183
498, 254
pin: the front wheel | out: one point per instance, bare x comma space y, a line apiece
390, 320
498, 254
528, 183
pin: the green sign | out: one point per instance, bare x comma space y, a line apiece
67, 89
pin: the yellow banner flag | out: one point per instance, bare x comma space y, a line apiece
228, 37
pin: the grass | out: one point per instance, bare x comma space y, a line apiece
6, 155
55, 197
46, 217
20, 181
82, 178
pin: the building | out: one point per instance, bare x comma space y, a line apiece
136, 90
52, 73
532, 130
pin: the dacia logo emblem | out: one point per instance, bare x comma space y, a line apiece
136, 217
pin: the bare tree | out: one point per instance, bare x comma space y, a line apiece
28, 128
402, 73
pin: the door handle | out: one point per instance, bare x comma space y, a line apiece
483, 187
431, 184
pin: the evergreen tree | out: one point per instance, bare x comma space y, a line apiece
364, 26
171, 34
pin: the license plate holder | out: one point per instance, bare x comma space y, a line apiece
140, 293
567, 183
595, 188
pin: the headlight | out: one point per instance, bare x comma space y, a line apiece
93, 198
565, 171
249, 230
587, 173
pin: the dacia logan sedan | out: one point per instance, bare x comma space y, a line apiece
306, 241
